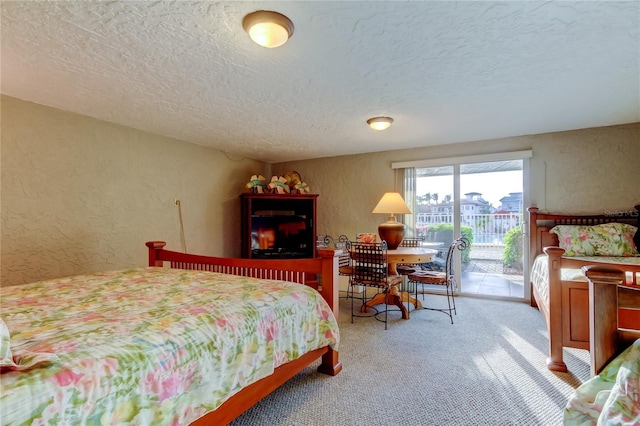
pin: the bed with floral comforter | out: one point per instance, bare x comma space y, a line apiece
539, 275
610, 398
149, 346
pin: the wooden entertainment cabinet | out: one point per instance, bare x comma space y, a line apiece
278, 226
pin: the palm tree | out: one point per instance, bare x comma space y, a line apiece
424, 199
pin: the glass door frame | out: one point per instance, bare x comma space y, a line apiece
456, 162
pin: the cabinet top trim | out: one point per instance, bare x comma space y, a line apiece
291, 196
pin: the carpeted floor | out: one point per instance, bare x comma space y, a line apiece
488, 368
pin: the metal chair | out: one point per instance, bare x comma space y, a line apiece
345, 263
405, 269
324, 241
327, 241
411, 242
371, 269
344, 260
446, 278
409, 268
345, 266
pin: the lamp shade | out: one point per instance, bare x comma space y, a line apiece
391, 231
267, 28
392, 203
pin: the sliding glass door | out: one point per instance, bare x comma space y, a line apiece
482, 201
491, 208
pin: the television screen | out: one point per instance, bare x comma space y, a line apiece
280, 234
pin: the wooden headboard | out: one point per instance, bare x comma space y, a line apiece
541, 223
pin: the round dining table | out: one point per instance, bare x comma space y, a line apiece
400, 256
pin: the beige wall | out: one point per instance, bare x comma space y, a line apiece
82, 195
582, 171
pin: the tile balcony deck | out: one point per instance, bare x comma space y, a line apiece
485, 275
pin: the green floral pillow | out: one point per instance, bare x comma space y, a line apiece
607, 239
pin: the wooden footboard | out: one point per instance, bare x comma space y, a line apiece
303, 271
606, 296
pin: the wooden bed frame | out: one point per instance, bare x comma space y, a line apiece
303, 271
607, 295
567, 314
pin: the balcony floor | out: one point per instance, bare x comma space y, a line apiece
485, 275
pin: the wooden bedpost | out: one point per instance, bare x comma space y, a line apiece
330, 277
331, 364
603, 313
154, 247
555, 362
533, 224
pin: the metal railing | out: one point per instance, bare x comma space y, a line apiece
488, 229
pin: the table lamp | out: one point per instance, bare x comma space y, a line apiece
391, 231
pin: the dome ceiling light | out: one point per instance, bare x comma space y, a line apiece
380, 123
267, 28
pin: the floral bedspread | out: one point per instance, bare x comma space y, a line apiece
151, 346
539, 275
613, 260
610, 398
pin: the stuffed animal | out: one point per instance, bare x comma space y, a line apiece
256, 184
279, 185
302, 188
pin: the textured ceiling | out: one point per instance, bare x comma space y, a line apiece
446, 71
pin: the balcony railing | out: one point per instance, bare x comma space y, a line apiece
488, 229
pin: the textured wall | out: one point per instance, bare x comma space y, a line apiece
582, 171
82, 195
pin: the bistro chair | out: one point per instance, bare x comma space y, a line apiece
444, 278
371, 269
411, 242
409, 268
344, 260
324, 241
345, 263
345, 266
405, 269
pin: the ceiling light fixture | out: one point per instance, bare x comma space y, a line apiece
267, 28
380, 123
